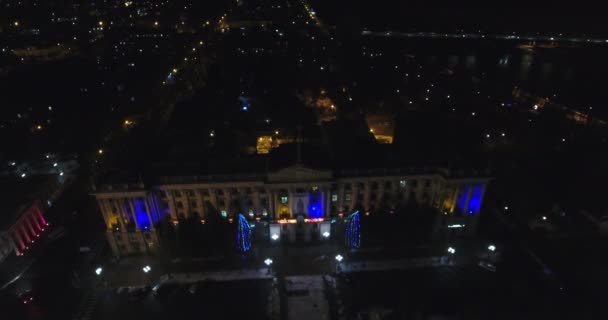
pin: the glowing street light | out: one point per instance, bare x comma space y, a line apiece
451, 250
339, 258
98, 271
146, 269
544, 218
100, 151
268, 262
492, 248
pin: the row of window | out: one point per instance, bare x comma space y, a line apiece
374, 185
285, 200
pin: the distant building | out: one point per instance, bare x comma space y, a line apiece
22, 217
293, 196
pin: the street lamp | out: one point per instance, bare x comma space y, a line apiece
492, 248
98, 271
146, 269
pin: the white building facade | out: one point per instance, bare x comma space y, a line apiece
131, 212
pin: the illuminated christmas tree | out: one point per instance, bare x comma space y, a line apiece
243, 235
353, 231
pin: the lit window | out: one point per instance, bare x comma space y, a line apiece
347, 197
284, 199
402, 183
334, 197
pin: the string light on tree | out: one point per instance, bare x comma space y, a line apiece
353, 231
243, 236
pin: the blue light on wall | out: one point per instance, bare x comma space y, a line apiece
476, 197
461, 200
315, 210
141, 215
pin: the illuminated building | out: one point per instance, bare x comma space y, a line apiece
382, 126
292, 199
22, 219
264, 144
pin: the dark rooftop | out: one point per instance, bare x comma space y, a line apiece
18, 193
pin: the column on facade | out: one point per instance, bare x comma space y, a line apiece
156, 207
113, 203
21, 227
30, 225
200, 200
366, 196
122, 217
130, 200
291, 202
326, 205
466, 203
483, 191
14, 243
258, 202
340, 196
36, 219
32, 218
271, 208
39, 215
18, 239
145, 199
380, 194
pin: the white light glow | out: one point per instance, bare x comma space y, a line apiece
326, 234
339, 258
456, 226
275, 236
